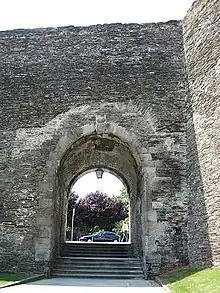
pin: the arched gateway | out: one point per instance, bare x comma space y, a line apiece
113, 95
111, 147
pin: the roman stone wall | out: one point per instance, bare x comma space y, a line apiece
62, 67
202, 49
128, 78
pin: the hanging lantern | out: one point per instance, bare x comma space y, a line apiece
99, 172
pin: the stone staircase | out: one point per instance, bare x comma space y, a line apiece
97, 260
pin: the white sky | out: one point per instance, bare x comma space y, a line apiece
47, 13
109, 184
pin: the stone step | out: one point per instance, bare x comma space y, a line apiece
97, 270
122, 245
99, 276
92, 261
98, 259
98, 265
96, 247
96, 250
107, 255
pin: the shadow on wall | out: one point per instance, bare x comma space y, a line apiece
199, 249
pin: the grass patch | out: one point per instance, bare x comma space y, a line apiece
6, 278
193, 280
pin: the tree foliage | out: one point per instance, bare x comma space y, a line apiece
124, 196
72, 200
98, 209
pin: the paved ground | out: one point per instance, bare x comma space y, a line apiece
66, 285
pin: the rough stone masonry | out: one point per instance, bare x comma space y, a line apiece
202, 51
142, 100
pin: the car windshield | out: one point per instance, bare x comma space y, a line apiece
98, 233
110, 233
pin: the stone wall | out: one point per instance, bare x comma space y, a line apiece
56, 81
201, 40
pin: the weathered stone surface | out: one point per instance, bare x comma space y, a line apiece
69, 94
202, 47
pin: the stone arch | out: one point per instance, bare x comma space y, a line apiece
115, 155
53, 187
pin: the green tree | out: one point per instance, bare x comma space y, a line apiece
72, 200
124, 196
97, 209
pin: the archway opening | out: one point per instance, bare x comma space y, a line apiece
98, 209
90, 152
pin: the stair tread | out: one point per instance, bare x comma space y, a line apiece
97, 243
115, 265
94, 274
103, 251
96, 252
98, 258
98, 270
96, 248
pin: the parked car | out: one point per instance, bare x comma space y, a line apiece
101, 236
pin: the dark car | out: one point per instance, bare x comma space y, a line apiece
102, 236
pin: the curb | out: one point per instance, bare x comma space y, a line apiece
24, 281
158, 280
